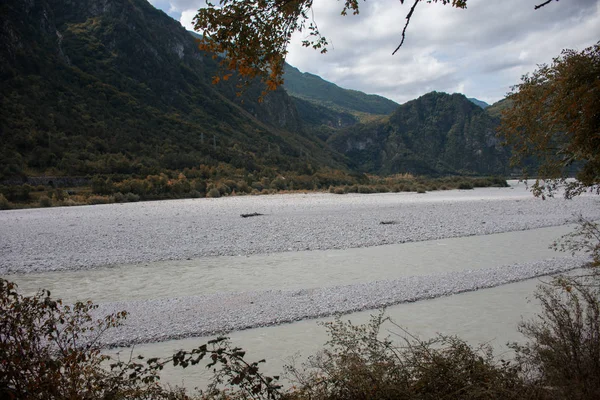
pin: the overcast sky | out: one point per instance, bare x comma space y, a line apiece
481, 51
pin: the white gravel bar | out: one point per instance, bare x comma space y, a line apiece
175, 318
71, 238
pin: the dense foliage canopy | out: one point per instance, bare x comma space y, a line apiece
555, 117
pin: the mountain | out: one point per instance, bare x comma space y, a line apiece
117, 86
495, 110
480, 103
435, 134
325, 107
313, 88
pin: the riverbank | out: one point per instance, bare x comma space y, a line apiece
75, 238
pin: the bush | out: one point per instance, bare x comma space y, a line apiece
4, 203
339, 190
45, 201
194, 194
58, 195
46, 348
132, 197
365, 189
563, 352
214, 192
465, 185
224, 189
358, 363
93, 200
53, 351
119, 197
18, 193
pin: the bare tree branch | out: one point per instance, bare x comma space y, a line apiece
408, 17
542, 5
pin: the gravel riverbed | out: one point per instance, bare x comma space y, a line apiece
83, 238
175, 318
41, 240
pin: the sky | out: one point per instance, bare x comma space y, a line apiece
481, 51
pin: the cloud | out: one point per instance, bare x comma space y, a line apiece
482, 51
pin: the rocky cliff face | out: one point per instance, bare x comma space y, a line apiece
435, 134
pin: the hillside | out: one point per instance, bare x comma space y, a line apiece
435, 134
478, 102
118, 87
313, 88
495, 110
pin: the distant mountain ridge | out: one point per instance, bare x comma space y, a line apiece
314, 88
480, 103
437, 133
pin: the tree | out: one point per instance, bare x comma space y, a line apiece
555, 118
50, 350
252, 36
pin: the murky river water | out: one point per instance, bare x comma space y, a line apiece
489, 315
485, 316
294, 270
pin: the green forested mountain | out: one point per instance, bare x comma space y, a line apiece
317, 90
435, 134
495, 110
325, 107
116, 86
478, 102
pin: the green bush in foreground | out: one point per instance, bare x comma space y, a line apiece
49, 350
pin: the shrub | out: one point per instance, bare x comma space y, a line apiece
224, 189
45, 201
194, 194
119, 197
214, 192
46, 348
358, 363
563, 352
58, 195
17, 193
279, 183
132, 197
242, 187
339, 190
465, 185
421, 190
92, 200
4, 203
53, 351
365, 189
